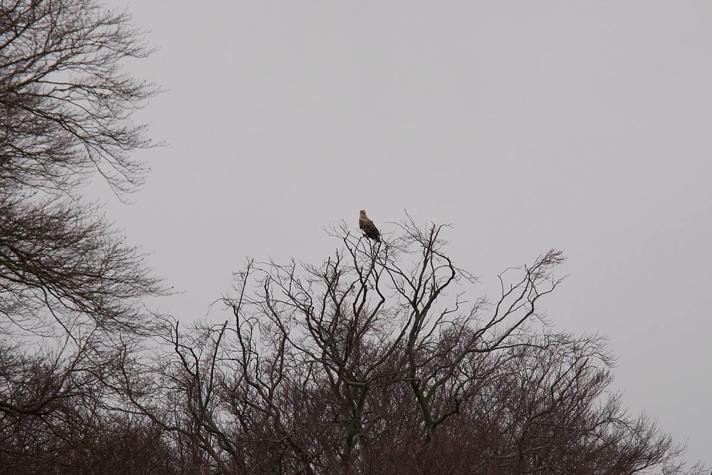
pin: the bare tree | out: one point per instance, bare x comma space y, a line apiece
64, 103
69, 285
374, 361
65, 110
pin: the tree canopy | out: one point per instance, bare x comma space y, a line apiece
69, 285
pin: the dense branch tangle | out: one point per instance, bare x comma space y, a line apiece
69, 285
374, 362
64, 105
65, 110
343, 346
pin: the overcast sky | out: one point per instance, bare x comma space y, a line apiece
584, 126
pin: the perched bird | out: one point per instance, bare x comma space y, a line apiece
368, 227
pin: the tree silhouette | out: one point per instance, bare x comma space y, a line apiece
374, 362
69, 285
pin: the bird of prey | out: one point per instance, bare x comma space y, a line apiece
368, 227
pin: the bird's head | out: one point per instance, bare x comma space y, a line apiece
362, 213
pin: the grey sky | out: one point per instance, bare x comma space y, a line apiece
526, 124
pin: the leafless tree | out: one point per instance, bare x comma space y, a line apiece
69, 285
65, 110
374, 361
65, 105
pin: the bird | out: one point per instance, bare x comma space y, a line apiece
368, 227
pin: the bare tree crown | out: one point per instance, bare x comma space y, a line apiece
374, 360
65, 105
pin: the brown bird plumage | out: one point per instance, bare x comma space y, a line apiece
368, 227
